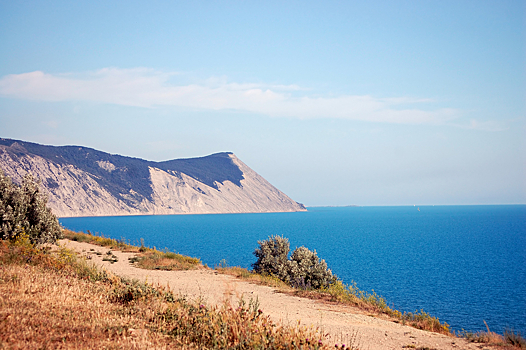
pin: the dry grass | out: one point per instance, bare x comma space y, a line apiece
56, 300
156, 260
345, 294
509, 339
483, 337
100, 240
514, 338
371, 302
256, 278
41, 309
47, 301
146, 258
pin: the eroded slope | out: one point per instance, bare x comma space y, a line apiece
85, 182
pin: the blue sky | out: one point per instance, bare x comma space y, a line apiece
335, 103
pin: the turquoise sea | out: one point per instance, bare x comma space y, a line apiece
463, 264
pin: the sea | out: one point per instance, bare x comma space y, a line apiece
465, 265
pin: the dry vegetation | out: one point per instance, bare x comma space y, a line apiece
100, 240
55, 300
146, 258
351, 295
371, 302
510, 338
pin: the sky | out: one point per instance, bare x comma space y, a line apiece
333, 102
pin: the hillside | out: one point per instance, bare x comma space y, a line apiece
340, 323
82, 181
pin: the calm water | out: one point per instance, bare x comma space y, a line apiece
463, 264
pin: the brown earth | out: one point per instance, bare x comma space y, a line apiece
343, 324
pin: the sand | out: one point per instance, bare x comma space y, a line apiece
340, 322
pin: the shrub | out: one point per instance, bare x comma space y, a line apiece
132, 290
23, 212
307, 270
272, 257
304, 268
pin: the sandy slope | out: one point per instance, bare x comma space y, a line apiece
338, 321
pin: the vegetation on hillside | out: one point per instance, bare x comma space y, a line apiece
274, 268
57, 300
146, 258
304, 274
509, 338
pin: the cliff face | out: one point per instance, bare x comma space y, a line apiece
85, 182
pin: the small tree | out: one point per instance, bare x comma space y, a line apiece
272, 257
23, 211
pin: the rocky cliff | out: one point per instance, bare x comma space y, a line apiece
85, 182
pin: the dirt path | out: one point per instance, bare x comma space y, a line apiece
339, 322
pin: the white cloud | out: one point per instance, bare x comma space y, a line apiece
150, 88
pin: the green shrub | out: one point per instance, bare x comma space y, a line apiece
272, 257
23, 212
304, 269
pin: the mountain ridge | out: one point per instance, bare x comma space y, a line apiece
83, 181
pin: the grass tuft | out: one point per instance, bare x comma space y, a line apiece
372, 302
156, 260
510, 338
146, 258
243, 273
100, 240
515, 339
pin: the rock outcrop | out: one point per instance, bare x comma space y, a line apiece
82, 181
